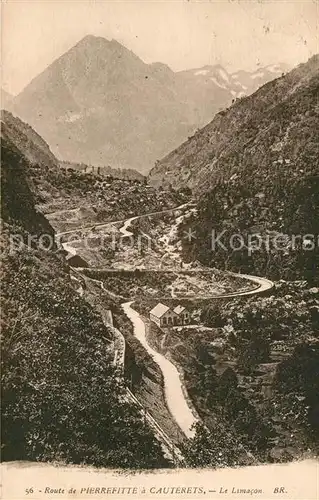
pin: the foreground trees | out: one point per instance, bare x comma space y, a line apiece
60, 398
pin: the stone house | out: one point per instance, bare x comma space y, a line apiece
163, 316
183, 315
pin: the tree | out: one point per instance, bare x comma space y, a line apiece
215, 448
60, 396
212, 316
227, 382
254, 352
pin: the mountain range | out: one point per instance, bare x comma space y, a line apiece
101, 105
238, 84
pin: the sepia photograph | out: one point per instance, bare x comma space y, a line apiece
159, 249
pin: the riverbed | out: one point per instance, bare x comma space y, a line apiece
173, 387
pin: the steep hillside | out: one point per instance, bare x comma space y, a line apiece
255, 170
60, 394
26, 140
252, 139
18, 201
100, 104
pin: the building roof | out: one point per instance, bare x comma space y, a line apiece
159, 310
76, 261
179, 309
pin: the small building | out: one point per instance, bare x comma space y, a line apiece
76, 261
183, 315
163, 316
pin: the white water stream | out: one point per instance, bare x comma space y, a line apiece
173, 388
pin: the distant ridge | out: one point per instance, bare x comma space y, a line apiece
116, 173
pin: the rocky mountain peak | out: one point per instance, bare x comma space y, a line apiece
100, 104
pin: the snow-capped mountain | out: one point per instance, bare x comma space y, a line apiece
239, 84
251, 81
100, 104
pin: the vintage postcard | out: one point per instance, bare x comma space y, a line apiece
159, 249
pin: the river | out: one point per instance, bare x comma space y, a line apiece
173, 388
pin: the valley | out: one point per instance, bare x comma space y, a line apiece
231, 377
134, 113
203, 352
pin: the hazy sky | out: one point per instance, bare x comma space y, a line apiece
184, 34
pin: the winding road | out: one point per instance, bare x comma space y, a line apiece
128, 221
263, 286
123, 229
173, 386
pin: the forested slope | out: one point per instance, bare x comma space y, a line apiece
254, 170
61, 400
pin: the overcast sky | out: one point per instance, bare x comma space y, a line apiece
183, 34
